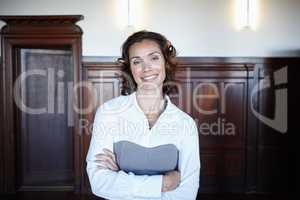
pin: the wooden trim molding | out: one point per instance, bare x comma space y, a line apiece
41, 25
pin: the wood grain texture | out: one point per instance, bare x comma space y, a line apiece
34, 32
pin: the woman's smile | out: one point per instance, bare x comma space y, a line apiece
149, 77
147, 65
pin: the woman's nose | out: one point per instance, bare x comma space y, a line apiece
146, 65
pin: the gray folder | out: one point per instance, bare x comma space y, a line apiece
140, 160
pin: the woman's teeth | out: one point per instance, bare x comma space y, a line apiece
149, 78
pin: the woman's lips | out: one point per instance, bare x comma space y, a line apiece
149, 78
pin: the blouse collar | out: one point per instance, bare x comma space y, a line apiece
135, 103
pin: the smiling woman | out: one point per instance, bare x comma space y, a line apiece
161, 53
143, 146
147, 64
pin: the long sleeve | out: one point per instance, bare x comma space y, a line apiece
189, 167
116, 185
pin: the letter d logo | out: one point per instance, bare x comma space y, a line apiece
279, 122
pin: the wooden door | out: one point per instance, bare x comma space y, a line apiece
43, 97
40, 109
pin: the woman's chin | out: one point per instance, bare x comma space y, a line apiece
150, 86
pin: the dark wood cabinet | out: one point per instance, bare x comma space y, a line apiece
40, 139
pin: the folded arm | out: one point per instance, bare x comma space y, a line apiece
116, 184
189, 167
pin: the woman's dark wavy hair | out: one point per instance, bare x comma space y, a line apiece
167, 49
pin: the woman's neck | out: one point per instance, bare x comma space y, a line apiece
150, 101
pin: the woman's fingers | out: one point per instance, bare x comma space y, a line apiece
112, 156
111, 164
101, 164
110, 153
101, 167
106, 165
106, 161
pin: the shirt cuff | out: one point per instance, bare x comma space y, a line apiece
147, 186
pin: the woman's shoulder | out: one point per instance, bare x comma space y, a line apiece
180, 114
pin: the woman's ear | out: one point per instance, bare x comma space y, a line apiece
121, 60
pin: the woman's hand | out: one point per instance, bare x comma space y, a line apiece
107, 160
170, 181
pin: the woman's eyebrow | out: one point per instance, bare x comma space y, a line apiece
154, 52
134, 57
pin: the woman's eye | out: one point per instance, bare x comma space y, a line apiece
155, 58
136, 62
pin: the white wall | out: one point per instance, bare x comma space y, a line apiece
196, 27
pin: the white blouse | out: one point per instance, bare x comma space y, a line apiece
121, 119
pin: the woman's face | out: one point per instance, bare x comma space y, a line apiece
147, 65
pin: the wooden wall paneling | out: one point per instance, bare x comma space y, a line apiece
2, 144
7, 115
103, 82
182, 96
252, 124
86, 125
272, 145
241, 163
221, 123
252, 161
